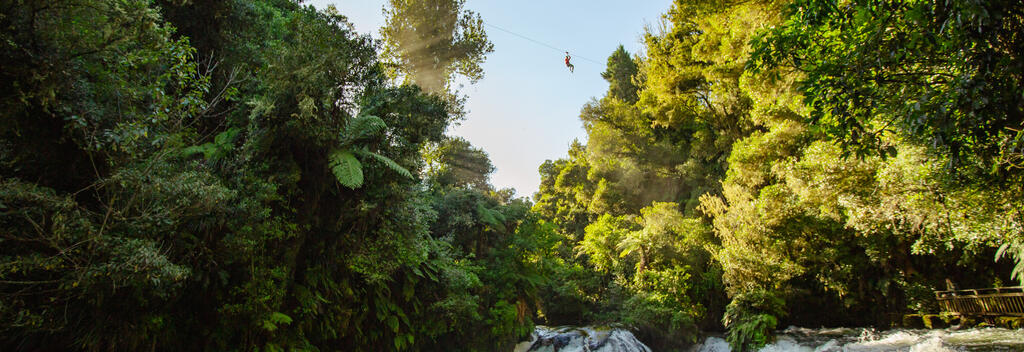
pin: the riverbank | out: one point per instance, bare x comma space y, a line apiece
942, 321
866, 339
793, 339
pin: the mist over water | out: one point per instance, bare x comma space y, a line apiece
869, 340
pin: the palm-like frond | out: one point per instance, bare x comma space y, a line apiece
342, 160
491, 217
1013, 249
391, 164
346, 168
364, 126
632, 242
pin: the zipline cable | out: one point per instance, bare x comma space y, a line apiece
541, 43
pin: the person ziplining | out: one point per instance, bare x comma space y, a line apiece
568, 58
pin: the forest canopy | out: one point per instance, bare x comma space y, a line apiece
256, 175
810, 163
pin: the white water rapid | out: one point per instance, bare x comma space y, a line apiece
581, 339
868, 340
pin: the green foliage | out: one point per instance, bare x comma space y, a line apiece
662, 302
565, 192
346, 168
1014, 249
620, 75
342, 161
221, 145
752, 333
124, 239
456, 163
275, 319
731, 166
600, 241
329, 208
391, 164
945, 75
430, 41
751, 318
364, 127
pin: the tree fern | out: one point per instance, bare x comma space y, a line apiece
632, 242
391, 164
342, 160
1013, 249
491, 217
346, 168
364, 126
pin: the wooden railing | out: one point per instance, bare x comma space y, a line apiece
1003, 301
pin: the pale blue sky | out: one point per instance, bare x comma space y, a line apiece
526, 109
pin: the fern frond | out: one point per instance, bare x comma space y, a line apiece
391, 164
491, 217
486, 215
364, 126
346, 168
629, 244
227, 137
1013, 249
196, 149
220, 146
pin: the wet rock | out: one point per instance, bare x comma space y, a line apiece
933, 321
1010, 322
580, 339
913, 321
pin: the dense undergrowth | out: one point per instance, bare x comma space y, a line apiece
254, 175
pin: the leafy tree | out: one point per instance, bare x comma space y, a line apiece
342, 160
660, 222
96, 97
255, 238
243, 175
431, 40
621, 73
942, 74
565, 192
601, 241
767, 206
456, 163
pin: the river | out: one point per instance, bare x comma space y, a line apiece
593, 339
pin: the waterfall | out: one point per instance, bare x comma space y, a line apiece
581, 339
